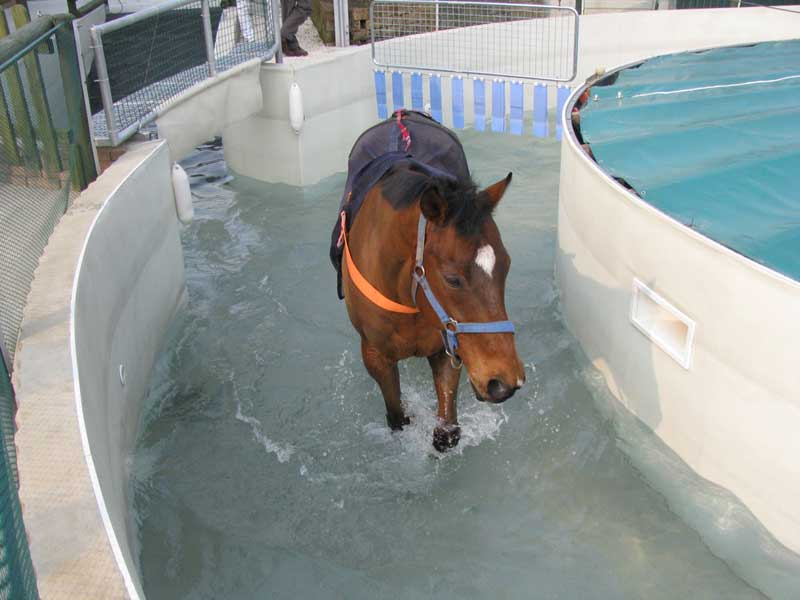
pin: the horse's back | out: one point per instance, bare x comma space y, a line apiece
431, 143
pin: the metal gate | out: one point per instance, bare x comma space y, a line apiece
492, 39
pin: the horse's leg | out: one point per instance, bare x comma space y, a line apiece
384, 371
445, 378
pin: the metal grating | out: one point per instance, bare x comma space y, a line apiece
148, 58
493, 39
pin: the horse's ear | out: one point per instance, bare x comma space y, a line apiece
495, 191
433, 206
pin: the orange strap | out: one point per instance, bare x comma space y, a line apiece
365, 287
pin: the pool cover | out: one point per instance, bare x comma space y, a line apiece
712, 139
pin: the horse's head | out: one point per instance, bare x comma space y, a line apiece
466, 265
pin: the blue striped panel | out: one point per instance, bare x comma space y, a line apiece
517, 102
498, 106
540, 110
397, 90
563, 94
436, 98
380, 94
479, 96
458, 103
416, 91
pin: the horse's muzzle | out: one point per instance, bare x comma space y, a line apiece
497, 391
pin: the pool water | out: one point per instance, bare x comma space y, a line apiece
264, 468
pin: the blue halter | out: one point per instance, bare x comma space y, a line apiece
451, 327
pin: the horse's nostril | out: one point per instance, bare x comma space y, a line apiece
497, 390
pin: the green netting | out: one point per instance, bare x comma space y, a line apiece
45, 160
17, 581
45, 157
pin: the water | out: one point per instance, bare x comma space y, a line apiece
264, 468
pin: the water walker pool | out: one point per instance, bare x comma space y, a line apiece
264, 468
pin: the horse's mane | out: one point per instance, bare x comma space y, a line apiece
467, 208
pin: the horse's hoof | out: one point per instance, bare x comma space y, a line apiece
446, 437
397, 424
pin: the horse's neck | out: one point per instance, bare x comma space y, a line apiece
384, 243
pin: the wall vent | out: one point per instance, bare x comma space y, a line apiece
665, 325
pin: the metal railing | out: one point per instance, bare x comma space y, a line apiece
494, 39
147, 58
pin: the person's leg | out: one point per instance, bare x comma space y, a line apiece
286, 6
297, 14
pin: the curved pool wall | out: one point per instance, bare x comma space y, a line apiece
110, 281
130, 274
76, 417
695, 339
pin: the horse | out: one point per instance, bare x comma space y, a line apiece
423, 268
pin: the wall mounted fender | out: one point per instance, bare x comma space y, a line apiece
183, 194
296, 116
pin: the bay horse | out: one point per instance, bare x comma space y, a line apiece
423, 268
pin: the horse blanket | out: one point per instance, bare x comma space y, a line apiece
407, 137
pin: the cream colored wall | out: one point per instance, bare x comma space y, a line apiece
733, 415
338, 99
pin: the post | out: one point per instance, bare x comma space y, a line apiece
77, 25
104, 83
209, 37
44, 123
83, 169
277, 23
341, 23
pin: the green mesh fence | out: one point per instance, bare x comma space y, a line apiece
45, 156
45, 160
17, 579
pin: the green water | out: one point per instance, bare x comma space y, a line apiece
264, 468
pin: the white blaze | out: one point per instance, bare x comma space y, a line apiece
485, 259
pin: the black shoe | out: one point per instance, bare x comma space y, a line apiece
292, 49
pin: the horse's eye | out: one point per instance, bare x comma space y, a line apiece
453, 281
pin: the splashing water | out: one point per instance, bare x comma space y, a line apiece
264, 467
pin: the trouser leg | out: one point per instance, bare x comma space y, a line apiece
295, 13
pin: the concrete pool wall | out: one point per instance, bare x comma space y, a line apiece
732, 415
110, 281
80, 394
695, 339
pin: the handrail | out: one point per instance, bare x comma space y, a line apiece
21, 41
140, 15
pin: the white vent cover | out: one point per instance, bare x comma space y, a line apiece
665, 325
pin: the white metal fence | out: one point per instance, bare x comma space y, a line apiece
149, 57
494, 39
